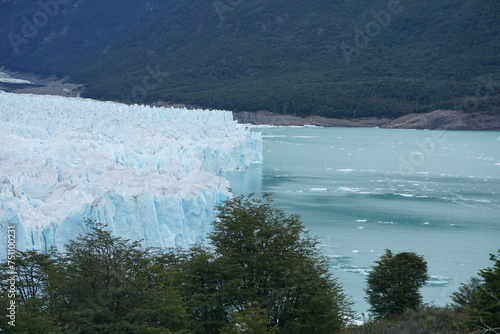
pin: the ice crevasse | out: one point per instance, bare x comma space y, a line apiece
148, 173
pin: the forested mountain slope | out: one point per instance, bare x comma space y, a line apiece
338, 58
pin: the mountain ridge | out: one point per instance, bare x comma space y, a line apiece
334, 59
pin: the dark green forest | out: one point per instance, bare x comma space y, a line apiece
331, 58
260, 273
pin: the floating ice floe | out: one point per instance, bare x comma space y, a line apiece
319, 189
5, 78
436, 280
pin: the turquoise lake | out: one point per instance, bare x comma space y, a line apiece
364, 190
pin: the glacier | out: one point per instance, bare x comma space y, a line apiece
6, 78
149, 173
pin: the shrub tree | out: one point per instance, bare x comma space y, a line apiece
268, 259
394, 283
485, 306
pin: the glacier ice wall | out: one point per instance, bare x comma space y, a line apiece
149, 173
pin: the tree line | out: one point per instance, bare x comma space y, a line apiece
261, 272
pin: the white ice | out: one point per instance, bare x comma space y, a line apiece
4, 77
149, 173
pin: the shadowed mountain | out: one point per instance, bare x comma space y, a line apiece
330, 58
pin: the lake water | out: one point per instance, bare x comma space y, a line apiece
364, 190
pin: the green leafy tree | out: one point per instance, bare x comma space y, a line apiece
466, 292
252, 319
484, 308
33, 298
198, 276
102, 284
394, 283
268, 258
111, 285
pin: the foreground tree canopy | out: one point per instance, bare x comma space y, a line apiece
271, 260
101, 284
484, 304
262, 273
394, 283
475, 308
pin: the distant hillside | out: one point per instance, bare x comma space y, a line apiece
339, 58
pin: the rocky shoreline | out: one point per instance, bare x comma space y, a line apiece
435, 120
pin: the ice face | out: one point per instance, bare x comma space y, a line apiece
149, 173
4, 77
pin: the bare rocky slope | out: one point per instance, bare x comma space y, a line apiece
435, 120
